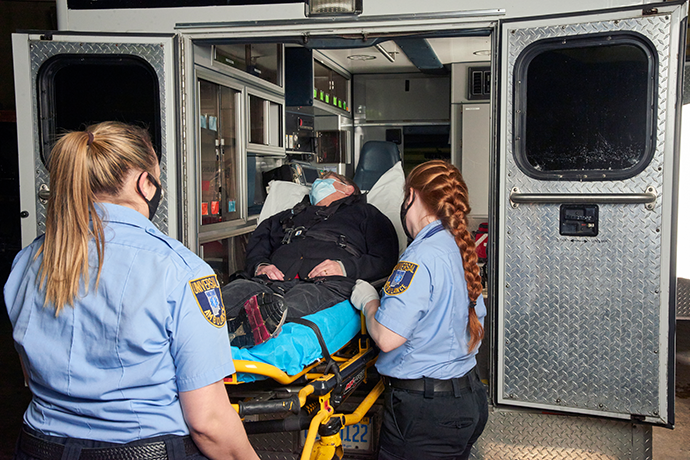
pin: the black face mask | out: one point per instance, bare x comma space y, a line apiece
155, 201
403, 213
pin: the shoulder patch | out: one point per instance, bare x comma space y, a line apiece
207, 293
401, 278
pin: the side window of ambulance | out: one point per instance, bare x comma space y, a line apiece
84, 89
584, 107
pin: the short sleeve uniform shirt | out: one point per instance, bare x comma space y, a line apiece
111, 367
426, 301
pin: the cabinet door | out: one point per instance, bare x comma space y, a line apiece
218, 115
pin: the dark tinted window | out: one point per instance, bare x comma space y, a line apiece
424, 143
82, 90
585, 107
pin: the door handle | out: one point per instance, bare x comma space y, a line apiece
648, 198
43, 193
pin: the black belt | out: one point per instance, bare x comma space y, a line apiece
47, 450
428, 386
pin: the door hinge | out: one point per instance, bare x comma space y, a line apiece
637, 418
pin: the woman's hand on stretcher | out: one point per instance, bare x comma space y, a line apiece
362, 294
365, 298
271, 271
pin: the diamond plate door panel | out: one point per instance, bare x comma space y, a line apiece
153, 53
525, 434
683, 299
580, 316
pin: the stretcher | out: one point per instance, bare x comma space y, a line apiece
293, 384
299, 381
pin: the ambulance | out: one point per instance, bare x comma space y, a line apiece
563, 116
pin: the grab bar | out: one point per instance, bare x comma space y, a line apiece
648, 198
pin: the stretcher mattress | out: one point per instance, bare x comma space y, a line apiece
297, 346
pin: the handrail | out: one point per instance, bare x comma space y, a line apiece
648, 198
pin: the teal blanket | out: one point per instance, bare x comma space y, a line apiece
297, 346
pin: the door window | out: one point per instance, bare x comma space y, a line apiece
81, 90
585, 107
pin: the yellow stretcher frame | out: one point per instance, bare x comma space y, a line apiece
327, 447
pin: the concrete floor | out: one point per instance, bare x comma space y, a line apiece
668, 444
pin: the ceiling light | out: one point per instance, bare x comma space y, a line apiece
333, 7
361, 57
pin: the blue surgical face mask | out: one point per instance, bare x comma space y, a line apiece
320, 189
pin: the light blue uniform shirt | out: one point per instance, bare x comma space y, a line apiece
425, 300
111, 368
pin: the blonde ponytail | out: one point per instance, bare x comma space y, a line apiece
82, 166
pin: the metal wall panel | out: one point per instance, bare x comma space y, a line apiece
154, 54
683, 299
580, 317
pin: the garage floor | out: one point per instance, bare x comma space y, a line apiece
668, 444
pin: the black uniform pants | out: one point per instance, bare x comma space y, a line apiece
301, 297
445, 425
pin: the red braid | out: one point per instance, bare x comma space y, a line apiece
443, 191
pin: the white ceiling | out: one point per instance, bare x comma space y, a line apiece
448, 50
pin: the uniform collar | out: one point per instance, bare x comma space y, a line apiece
429, 229
109, 212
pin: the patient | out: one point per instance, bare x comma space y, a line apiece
307, 258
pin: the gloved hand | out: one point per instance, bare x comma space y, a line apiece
363, 293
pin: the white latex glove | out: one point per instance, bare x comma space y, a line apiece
362, 294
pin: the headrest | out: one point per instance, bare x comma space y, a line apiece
378, 155
375, 158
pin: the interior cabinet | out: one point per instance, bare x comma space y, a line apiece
308, 80
263, 60
218, 115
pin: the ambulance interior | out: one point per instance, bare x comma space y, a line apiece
270, 109
426, 97
429, 97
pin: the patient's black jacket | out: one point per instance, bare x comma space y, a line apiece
349, 230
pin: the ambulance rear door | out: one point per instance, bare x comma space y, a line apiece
587, 145
67, 81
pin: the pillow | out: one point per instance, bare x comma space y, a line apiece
282, 195
387, 196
